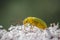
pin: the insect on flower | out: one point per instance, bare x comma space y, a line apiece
35, 22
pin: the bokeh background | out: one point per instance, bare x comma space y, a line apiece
14, 11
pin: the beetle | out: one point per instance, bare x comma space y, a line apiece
35, 22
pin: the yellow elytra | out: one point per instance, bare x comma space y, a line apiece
35, 22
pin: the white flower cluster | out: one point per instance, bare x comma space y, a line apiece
19, 32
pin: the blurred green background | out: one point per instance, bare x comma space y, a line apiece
13, 12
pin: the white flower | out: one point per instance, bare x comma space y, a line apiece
20, 32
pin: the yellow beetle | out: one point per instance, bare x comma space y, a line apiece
35, 22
